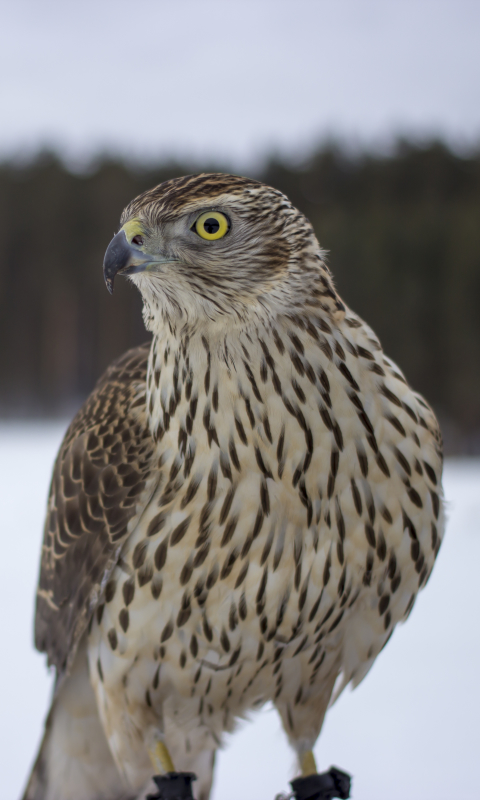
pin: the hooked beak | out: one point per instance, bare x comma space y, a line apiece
124, 257
127, 255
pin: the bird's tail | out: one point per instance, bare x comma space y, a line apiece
74, 761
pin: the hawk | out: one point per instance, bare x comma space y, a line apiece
241, 512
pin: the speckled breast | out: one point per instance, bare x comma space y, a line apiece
295, 516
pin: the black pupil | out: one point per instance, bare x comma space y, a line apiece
211, 225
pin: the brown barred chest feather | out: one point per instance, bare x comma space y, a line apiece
245, 520
296, 515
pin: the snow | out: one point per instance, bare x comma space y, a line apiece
409, 731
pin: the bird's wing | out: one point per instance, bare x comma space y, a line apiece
100, 473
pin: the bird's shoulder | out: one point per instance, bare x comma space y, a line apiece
351, 392
101, 471
375, 386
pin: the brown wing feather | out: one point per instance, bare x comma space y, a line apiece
98, 477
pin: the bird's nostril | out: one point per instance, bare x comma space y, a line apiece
137, 240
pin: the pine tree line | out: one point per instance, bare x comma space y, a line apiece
402, 233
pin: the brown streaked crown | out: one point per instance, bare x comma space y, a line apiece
169, 197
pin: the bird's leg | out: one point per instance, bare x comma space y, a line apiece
171, 785
307, 763
161, 758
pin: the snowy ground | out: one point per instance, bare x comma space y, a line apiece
411, 730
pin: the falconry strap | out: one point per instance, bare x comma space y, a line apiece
173, 786
324, 786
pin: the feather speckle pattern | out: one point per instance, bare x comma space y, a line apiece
243, 511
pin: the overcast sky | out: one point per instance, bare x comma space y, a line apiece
233, 79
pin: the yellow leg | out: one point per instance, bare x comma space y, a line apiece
161, 758
307, 764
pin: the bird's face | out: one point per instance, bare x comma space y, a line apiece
207, 246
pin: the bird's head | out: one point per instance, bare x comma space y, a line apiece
215, 248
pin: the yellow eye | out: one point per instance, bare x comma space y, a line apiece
212, 225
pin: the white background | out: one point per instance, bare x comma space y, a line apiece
409, 732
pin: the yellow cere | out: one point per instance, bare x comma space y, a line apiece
212, 225
132, 228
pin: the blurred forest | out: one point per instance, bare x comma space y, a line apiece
402, 231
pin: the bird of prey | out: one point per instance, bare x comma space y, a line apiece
241, 512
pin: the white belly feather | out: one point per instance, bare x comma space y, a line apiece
283, 543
